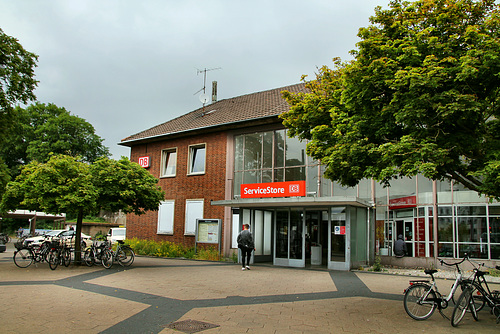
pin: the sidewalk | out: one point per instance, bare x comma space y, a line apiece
155, 293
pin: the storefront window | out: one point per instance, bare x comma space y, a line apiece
312, 181
295, 153
238, 153
495, 230
267, 150
295, 174
471, 210
472, 229
445, 229
253, 151
279, 148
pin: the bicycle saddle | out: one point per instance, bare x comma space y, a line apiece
430, 271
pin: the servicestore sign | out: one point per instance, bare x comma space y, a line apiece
273, 189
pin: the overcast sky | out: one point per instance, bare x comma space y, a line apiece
125, 66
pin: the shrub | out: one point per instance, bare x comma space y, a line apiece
377, 265
210, 253
170, 249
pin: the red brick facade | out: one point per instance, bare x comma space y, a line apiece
208, 186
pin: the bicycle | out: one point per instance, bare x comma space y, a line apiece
98, 253
123, 254
24, 256
480, 287
60, 253
422, 297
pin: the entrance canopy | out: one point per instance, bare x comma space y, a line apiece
33, 214
294, 201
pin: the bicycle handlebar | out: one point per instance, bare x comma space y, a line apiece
466, 257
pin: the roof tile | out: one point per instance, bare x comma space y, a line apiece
241, 108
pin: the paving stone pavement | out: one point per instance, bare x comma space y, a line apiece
155, 293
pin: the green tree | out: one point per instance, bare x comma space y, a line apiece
126, 186
66, 185
17, 76
43, 129
420, 96
17, 85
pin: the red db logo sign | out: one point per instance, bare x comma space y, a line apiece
144, 162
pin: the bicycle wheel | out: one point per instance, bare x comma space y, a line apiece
107, 258
53, 259
88, 257
461, 307
66, 257
415, 305
125, 256
23, 258
478, 298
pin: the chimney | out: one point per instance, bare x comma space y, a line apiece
214, 91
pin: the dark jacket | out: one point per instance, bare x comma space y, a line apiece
400, 246
245, 239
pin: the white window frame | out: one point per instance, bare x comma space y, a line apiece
166, 213
165, 154
192, 149
194, 210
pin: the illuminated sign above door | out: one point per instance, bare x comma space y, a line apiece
273, 189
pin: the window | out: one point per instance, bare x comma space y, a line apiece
169, 162
197, 159
166, 217
194, 210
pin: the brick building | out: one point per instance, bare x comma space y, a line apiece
233, 161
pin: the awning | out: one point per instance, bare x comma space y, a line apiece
294, 201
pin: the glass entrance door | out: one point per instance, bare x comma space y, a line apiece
338, 250
404, 227
290, 238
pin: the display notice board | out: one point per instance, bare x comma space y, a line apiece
208, 231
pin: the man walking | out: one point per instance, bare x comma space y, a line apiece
246, 244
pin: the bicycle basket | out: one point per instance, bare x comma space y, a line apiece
18, 245
54, 244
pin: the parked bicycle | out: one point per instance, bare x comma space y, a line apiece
60, 253
123, 254
478, 289
98, 253
422, 297
24, 256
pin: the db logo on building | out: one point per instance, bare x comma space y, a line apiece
144, 162
294, 188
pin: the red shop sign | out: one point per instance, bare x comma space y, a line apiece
403, 202
273, 189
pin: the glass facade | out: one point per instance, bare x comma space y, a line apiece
465, 222
272, 156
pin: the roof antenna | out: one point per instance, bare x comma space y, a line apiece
204, 98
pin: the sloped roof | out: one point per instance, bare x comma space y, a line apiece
248, 107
